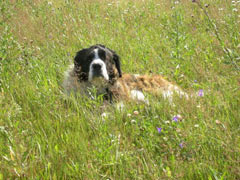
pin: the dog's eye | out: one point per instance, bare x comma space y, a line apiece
102, 55
90, 57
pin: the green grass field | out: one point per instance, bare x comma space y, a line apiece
46, 135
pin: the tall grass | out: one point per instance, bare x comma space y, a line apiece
46, 135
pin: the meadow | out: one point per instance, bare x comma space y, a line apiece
45, 134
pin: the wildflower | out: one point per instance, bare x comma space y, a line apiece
167, 122
175, 118
235, 9
196, 125
195, 81
135, 112
218, 122
129, 115
179, 117
181, 145
200, 93
104, 115
133, 121
159, 129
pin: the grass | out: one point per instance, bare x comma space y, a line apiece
46, 135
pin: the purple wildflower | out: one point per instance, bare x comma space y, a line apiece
181, 145
175, 118
195, 81
159, 129
200, 93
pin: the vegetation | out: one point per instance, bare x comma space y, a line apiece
46, 135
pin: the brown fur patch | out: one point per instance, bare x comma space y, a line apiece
154, 84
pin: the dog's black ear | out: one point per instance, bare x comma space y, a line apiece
79, 58
116, 59
78, 64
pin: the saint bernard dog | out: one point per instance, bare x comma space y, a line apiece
99, 68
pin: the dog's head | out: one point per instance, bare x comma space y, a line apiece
97, 61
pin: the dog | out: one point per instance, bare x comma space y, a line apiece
99, 68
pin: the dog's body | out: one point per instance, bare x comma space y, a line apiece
99, 67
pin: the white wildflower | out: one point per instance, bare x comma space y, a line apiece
235, 9
129, 115
135, 112
133, 121
196, 125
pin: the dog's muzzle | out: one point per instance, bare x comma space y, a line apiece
98, 69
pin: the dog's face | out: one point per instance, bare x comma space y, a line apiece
97, 62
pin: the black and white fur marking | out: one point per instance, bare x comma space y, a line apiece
97, 67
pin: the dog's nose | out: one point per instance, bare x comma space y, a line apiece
97, 67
